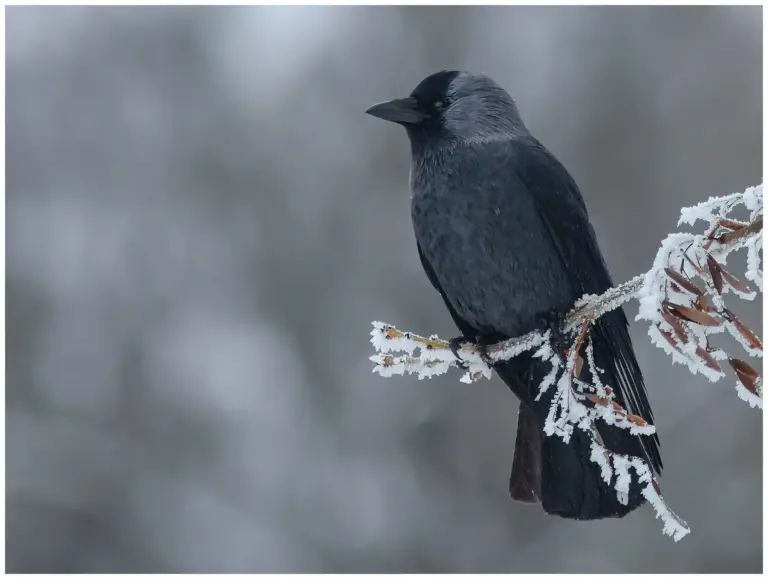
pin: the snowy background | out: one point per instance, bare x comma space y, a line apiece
202, 223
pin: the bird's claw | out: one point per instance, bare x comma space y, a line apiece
481, 343
455, 344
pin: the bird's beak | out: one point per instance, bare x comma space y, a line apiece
402, 111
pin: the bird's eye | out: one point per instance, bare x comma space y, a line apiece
440, 105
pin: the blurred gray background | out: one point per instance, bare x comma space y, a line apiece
202, 223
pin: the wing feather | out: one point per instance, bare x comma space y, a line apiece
562, 209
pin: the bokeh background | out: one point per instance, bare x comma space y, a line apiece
202, 223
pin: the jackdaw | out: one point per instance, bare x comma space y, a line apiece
504, 237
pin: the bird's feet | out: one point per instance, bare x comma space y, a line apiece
455, 344
480, 342
554, 321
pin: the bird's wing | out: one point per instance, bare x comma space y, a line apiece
562, 209
465, 328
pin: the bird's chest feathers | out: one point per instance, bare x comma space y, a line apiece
487, 246
449, 217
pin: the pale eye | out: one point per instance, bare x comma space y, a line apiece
440, 105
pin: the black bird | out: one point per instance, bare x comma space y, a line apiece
504, 236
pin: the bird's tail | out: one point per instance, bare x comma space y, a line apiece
560, 476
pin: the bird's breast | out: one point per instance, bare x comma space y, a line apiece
489, 249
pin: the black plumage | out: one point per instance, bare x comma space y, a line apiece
504, 236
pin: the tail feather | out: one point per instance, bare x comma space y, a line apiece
569, 483
525, 480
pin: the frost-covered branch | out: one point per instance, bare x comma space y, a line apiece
682, 315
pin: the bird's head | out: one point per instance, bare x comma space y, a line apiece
453, 104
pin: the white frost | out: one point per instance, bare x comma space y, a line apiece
748, 397
674, 526
679, 251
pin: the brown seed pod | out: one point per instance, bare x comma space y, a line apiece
680, 279
732, 224
694, 315
736, 283
669, 338
708, 359
675, 323
748, 334
714, 271
746, 374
